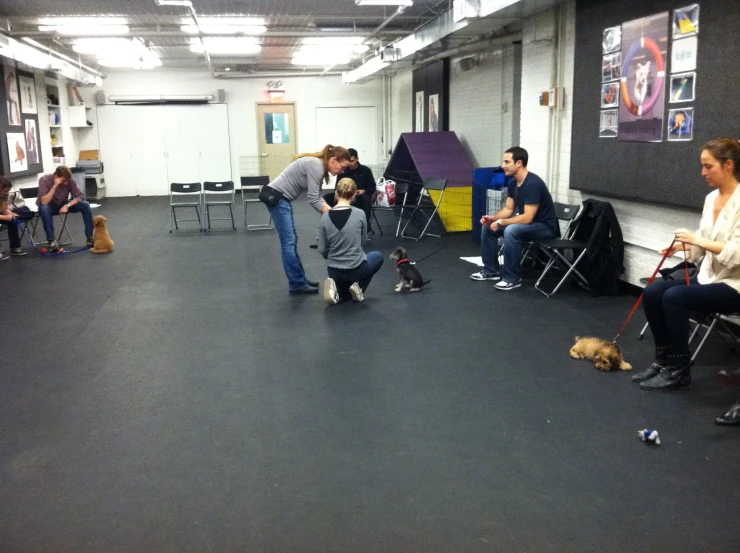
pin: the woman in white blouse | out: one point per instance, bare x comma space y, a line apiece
716, 289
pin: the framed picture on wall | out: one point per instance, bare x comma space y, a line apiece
686, 21
433, 125
12, 100
17, 152
32, 142
419, 127
681, 124
610, 95
612, 39
608, 124
611, 67
683, 88
683, 54
28, 94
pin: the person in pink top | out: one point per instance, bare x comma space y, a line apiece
59, 194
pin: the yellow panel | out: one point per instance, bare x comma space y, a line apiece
456, 208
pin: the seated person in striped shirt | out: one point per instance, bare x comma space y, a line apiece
59, 194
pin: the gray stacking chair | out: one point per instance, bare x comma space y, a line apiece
185, 196
219, 194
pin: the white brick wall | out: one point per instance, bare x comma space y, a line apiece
477, 99
401, 111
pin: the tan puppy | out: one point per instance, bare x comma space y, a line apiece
606, 355
103, 243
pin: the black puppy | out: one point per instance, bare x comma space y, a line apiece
408, 275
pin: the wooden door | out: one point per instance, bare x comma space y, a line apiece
276, 130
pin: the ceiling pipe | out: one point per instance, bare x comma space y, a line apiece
382, 26
182, 34
276, 74
478, 45
61, 56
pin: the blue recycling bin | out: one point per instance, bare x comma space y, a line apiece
484, 179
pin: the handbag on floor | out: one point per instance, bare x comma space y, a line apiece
385, 193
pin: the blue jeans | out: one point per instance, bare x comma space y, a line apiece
667, 304
282, 216
363, 274
514, 237
46, 212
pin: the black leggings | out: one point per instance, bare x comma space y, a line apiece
667, 304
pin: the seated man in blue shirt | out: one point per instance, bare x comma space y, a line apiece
529, 214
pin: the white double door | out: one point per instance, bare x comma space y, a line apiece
145, 148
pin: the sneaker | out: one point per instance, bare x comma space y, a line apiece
485, 275
90, 242
312, 283
53, 246
17, 252
331, 296
356, 292
3, 256
503, 285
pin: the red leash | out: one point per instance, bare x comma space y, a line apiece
652, 278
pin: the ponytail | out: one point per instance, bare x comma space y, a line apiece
326, 153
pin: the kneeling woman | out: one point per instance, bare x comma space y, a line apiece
342, 231
716, 289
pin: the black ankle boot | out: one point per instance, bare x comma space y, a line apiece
732, 417
661, 356
675, 374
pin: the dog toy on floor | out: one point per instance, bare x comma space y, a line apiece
649, 436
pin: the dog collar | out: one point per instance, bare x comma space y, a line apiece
404, 260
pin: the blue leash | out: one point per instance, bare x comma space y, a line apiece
47, 254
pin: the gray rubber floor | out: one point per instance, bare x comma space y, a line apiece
172, 396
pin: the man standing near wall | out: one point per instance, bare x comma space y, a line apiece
59, 194
529, 214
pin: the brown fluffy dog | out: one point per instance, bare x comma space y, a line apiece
606, 355
103, 243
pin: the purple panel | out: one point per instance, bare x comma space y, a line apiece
435, 155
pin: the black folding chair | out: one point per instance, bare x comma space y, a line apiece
219, 194
192, 194
556, 248
250, 189
402, 189
425, 203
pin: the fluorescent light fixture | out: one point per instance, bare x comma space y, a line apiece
125, 61
185, 3
224, 25
102, 30
64, 21
224, 29
332, 40
101, 46
103, 26
225, 45
384, 2
319, 63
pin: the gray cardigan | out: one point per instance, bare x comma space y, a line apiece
342, 231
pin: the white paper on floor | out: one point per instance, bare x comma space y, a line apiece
474, 260
94, 205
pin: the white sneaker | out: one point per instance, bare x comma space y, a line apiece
503, 285
356, 292
331, 296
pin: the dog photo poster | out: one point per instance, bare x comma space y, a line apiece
642, 83
17, 152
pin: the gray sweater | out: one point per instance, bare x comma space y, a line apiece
342, 232
303, 174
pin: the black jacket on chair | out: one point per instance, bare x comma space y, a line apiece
601, 232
